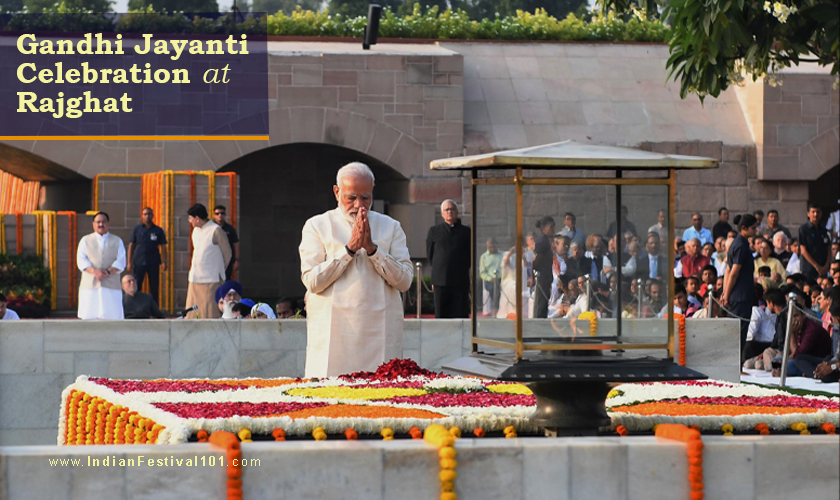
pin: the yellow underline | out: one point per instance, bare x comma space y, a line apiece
134, 138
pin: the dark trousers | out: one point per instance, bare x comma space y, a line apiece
494, 288
140, 273
742, 310
542, 292
229, 268
806, 364
452, 301
753, 349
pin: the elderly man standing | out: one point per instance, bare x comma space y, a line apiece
211, 253
354, 263
448, 250
101, 258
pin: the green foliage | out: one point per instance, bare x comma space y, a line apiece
287, 6
716, 43
59, 17
36, 6
175, 5
11, 5
456, 24
25, 279
430, 23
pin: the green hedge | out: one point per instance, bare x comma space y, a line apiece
428, 24
457, 25
24, 280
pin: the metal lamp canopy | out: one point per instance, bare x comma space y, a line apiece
574, 155
560, 372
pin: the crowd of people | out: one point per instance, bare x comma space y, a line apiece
102, 258
754, 269
745, 271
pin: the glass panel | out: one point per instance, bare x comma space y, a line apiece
645, 269
578, 263
494, 292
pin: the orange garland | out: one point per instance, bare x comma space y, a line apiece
681, 409
92, 420
19, 232
681, 331
359, 411
230, 443
694, 449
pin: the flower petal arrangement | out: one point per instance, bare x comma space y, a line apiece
401, 398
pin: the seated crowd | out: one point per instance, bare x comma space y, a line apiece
782, 266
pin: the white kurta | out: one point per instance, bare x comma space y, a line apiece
354, 315
101, 302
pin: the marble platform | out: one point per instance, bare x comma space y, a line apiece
607, 468
38, 359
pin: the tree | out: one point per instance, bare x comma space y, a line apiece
716, 43
175, 5
287, 6
11, 5
91, 5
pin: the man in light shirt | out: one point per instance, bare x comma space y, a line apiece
661, 226
5, 312
698, 231
101, 258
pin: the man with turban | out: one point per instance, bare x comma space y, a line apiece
211, 252
228, 295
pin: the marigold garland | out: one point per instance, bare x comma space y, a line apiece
230, 443
593, 322
622, 431
278, 434
694, 449
351, 435
828, 428
92, 420
19, 232
681, 337
438, 436
2, 232
387, 434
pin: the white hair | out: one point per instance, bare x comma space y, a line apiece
354, 170
784, 237
447, 202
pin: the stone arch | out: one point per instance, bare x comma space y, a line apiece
320, 125
820, 154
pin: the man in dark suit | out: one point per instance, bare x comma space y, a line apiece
652, 265
448, 249
578, 264
138, 305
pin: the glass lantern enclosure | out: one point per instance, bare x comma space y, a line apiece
573, 251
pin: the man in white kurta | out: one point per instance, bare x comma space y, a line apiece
211, 253
354, 263
101, 258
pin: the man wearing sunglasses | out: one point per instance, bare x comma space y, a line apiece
219, 214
